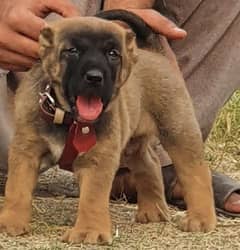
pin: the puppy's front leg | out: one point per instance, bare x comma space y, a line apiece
96, 171
181, 137
24, 159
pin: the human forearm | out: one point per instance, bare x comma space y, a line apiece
128, 4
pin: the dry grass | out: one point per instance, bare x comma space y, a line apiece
52, 216
223, 146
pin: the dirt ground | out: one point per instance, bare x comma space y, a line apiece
52, 216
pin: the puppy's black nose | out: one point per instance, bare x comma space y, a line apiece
94, 76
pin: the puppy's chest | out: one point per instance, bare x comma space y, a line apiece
55, 139
60, 140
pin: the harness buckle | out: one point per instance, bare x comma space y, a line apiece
46, 94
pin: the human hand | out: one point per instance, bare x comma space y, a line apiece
20, 25
154, 19
160, 23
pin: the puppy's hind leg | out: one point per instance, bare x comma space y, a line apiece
145, 167
23, 164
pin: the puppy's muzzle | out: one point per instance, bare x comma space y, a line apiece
94, 78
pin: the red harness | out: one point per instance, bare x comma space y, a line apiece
81, 136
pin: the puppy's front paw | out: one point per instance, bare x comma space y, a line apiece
13, 223
198, 224
152, 212
75, 235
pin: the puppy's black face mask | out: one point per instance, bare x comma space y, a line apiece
92, 63
87, 60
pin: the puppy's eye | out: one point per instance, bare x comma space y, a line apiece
71, 52
114, 53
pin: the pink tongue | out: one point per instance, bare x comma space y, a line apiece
89, 108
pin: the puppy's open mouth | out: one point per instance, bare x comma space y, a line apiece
89, 108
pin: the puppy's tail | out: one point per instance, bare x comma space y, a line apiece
145, 36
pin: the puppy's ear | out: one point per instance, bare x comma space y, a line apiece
47, 53
46, 37
46, 41
129, 55
131, 45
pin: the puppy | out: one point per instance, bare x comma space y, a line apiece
98, 92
